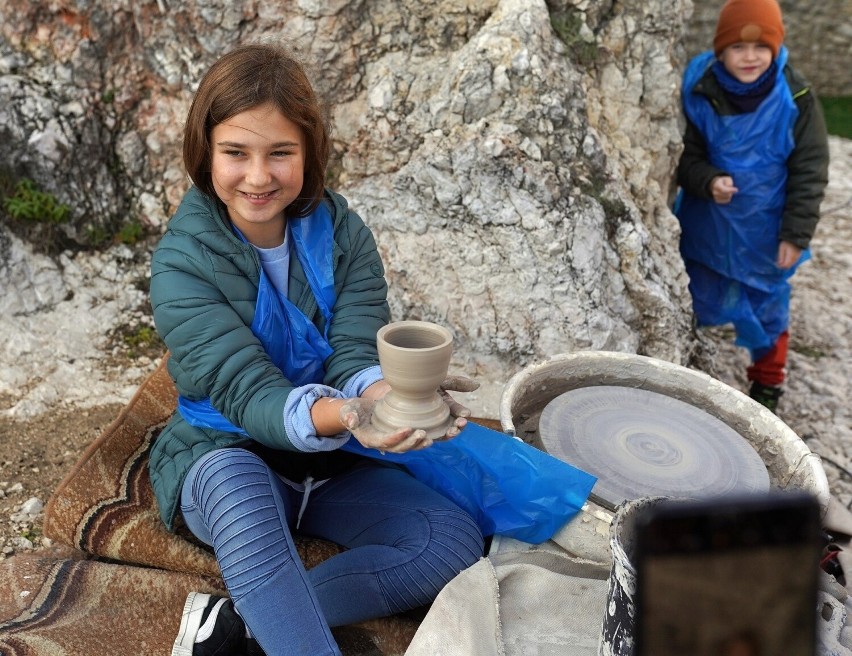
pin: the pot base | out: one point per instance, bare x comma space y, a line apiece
395, 411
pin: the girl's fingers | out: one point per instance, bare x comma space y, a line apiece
459, 384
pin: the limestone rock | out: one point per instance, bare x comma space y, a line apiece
514, 157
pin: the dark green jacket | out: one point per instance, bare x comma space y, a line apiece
807, 166
204, 282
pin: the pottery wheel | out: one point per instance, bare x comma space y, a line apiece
641, 443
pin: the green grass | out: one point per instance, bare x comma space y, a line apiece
838, 115
568, 25
29, 203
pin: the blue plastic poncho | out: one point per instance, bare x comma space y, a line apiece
507, 486
291, 340
731, 250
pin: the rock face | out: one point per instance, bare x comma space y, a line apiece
530, 200
56, 317
514, 157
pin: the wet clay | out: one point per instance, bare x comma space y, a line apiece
414, 357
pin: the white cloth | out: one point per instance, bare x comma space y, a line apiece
536, 601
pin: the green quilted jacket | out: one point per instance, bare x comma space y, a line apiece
204, 283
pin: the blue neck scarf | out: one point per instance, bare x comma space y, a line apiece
745, 97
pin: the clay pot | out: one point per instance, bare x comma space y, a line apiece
414, 357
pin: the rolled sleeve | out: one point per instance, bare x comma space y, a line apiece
356, 385
297, 419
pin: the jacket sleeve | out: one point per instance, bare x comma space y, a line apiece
213, 352
694, 170
361, 307
807, 172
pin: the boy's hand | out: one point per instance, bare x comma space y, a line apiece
788, 255
723, 189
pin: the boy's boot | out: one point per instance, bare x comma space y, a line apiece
210, 627
765, 395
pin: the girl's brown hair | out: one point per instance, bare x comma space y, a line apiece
244, 78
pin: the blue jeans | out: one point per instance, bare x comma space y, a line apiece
403, 542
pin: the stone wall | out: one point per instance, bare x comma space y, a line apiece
819, 38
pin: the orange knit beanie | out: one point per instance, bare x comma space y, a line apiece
749, 20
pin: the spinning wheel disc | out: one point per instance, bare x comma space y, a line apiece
641, 443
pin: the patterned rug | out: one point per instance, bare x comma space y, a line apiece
58, 603
117, 581
105, 505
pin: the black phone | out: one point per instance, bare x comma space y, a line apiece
733, 576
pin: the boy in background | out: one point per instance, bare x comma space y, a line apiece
753, 173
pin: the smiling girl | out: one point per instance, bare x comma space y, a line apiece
258, 164
268, 292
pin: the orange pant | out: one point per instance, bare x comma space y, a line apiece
768, 369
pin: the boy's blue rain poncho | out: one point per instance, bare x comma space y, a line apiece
507, 486
735, 245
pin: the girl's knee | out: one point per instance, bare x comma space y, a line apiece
232, 487
245, 515
223, 459
455, 543
457, 540
471, 538
221, 465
